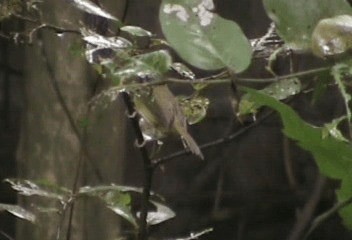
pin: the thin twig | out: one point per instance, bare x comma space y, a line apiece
56, 29
288, 163
147, 167
306, 215
326, 215
195, 235
6, 235
165, 159
292, 75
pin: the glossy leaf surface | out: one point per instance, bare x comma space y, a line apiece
39, 188
279, 90
18, 212
296, 20
333, 156
115, 198
203, 38
92, 8
332, 36
161, 214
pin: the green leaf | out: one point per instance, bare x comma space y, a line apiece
279, 90
332, 36
157, 61
331, 129
296, 20
195, 108
115, 198
202, 38
145, 67
40, 188
136, 31
333, 157
18, 212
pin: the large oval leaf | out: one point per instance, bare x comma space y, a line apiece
296, 20
202, 38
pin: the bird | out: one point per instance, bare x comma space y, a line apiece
160, 109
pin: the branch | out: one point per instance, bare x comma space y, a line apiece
305, 216
165, 159
326, 215
147, 166
195, 235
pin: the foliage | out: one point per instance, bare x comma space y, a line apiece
206, 41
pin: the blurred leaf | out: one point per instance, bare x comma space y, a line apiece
143, 68
331, 129
296, 20
279, 90
115, 198
310, 138
283, 89
90, 7
183, 70
136, 31
39, 188
195, 108
96, 190
332, 36
201, 37
100, 41
162, 214
338, 72
18, 212
158, 61
333, 157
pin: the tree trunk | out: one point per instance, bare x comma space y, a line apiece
49, 149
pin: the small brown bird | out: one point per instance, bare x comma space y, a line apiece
160, 109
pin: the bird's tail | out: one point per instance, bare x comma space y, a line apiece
191, 144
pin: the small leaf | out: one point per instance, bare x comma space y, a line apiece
158, 61
201, 37
90, 7
195, 108
162, 214
96, 190
183, 70
331, 129
98, 40
115, 198
136, 31
279, 90
332, 36
18, 212
39, 188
